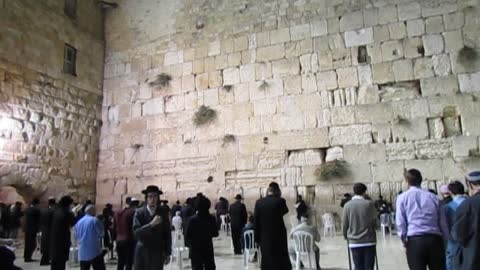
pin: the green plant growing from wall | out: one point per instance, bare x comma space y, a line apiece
227, 88
332, 169
204, 115
229, 138
162, 80
467, 56
263, 86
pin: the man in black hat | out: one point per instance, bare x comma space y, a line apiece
45, 226
31, 228
151, 227
62, 221
271, 231
238, 217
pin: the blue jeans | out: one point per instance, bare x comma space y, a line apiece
364, 257
450, 253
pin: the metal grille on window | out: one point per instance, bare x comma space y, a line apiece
69, 60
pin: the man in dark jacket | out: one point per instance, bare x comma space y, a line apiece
123, 222
63, 219
16, 215
152, 229
31, 228
238, 217
187, 212
45, 226
200, 231
271, 231
466, 229
301, 208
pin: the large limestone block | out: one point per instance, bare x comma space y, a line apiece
387, 14
409, 11
318, 28
300, 32
343, 115
433, 44
153, 106
383, 73
303, 139
436, 128
353, 134
453, 41
403, 70
368, 94
469, 83
411, 129
359, 37
372, 153
392, 50
285, 67
431, 149
279, 36
441, 65
306, 157
423, 68
397, 30
388, 171
415, 28
431, 169
434, 25
453, 21
270, 53
309, 63
435, 86
351, 21
373, 113
231, 76
347, 77
327, 80
464, 146
400, 151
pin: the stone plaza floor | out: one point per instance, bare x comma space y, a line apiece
333, 256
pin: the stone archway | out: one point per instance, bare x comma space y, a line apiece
9, 195
22, 183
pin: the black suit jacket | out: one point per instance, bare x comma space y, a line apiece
238, 215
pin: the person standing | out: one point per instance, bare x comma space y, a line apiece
16, 215
108, 234
177, 222
301, 208
418, 220
238, 217
200, 231
89, 233
151, 227
457, 192
359, 222
45, 226
271, 231
176, 207
62, 220
31, 228
123, 222
466, 229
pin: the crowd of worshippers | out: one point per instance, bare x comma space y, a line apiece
435, 234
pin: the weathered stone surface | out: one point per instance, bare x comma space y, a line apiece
469, 83
400, 151
464, 146
431, 149
365, 153
334, 153
359, 37
353, 134
447, 85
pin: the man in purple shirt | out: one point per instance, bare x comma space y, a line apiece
418, 220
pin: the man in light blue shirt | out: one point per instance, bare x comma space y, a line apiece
89, 234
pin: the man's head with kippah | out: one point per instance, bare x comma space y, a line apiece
473, 182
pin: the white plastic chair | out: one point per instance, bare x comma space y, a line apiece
303, 244
249, 247
178, 249
293, 221
328, 224
73, 254
386, 221
224, 225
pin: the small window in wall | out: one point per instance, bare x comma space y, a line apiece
70, 8
70, 60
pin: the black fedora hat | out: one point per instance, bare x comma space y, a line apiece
152, 189
238, 197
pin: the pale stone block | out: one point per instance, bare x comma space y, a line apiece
412, 47
387, 14
464, 146
409, 11
201, 81
309, 63
263, 39
447, 85
172, 58
381, 133
433, 44
441, 64
397, 30
423, 68
469, 83
249, 57
341, 58
334, 153
247, 73
241, 92
263, 71
429, 168
453, 41
320, 44
293, 85
403, 70
347, 77
191, 100
333, 25
231, 76
351, 21
234, 59
283, 67
373, 113
215, 79
336, 41
187, 68
392, 50
174, 103
370, 17
278, 36
300, 32
325, 61
319, 28
310, 119
381, 33
240, 44
375, 53
439, 9
327, 80
436, 128
400, 151
434, 25
454, 21
270, 53
214, 48
353, 134
368, 94
188, 83
153, 106
324, 118
342, 116
383, 73
365, 153
359, 37
201, 51
364, 75
221, 61
415, 28
145, 92
414, 129
388, 171
265, 107
309, 83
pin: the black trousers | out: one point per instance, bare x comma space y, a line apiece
237, 239
202, 261
57, 264
125, 252
97, 263
30, 245
425, 250
364, 257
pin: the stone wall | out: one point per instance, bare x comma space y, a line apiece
49, 121
378, 84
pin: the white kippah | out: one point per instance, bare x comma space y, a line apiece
473, 176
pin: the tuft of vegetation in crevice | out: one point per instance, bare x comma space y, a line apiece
227, 88
229, 138
332, 170
467, 56
263, 86
204, 115
210, 179
162, 80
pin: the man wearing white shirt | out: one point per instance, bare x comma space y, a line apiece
177, 221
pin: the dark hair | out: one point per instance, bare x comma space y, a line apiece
65, 201
432, 191
35, 201
274, 189
251, 218
347, 195
51, 201
178, 202
413, 177
359, 189
202, 203
128, 200
456, 188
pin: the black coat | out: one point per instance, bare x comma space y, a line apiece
46, 219
466, 231
32, 220
153, 243
200, 231
238, 215
62, 221
271, 233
